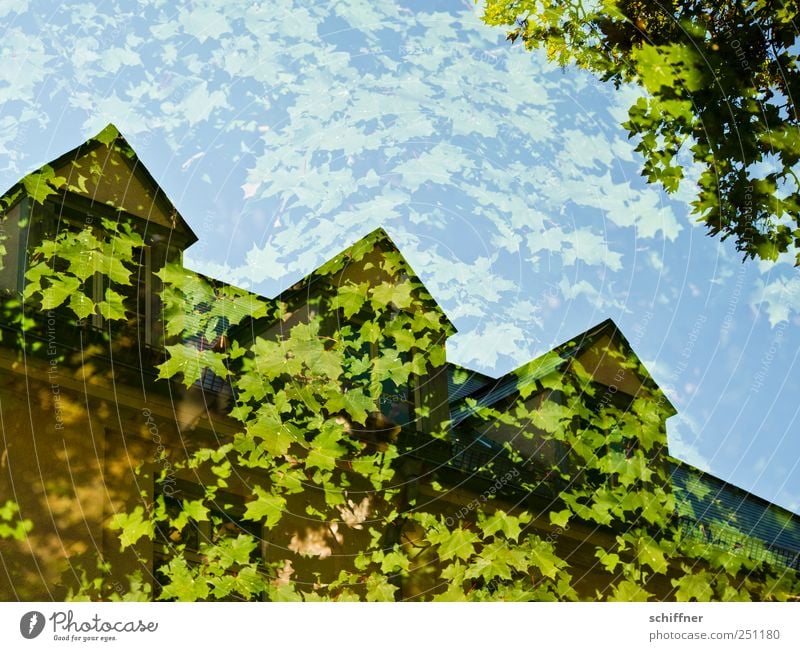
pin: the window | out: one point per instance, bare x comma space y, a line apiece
10, 241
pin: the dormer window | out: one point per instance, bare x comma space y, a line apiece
11, 250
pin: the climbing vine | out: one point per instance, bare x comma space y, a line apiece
307, 374
341, 501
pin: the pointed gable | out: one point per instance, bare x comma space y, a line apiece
373, 263
610, 359
106, 170
603, 353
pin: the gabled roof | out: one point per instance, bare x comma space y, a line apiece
487, 393
462, 382
731, 514
105, 170
340, 264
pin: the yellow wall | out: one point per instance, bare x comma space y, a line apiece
65, 461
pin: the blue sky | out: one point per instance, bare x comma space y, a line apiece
285, 131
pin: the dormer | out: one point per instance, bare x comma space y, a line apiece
99, 182
371, 275
606, 366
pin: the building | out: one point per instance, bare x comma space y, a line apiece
88, 426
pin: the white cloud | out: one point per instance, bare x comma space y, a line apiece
780, 298
482, 348
683, 442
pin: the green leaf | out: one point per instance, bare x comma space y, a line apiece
394, 560
350, 298
542, 555
194, 510
459, 543
352, 401
697, 488
8, 510
267, 507
181, 583
560, 519
236, 550
629, 591
85, 263
108, 135
496, 560
405, 340
648, 552
609, 561
133, 526
389, 366
268, 426
379, 588
112, 307
325, 448
718, 557
548, 416
270, 358
60, 290
508, 524
40, 184
398, 294
693, 586
186, 359
604, 503
10, 527
370, 332
81, 305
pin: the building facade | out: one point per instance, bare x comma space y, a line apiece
92, 430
